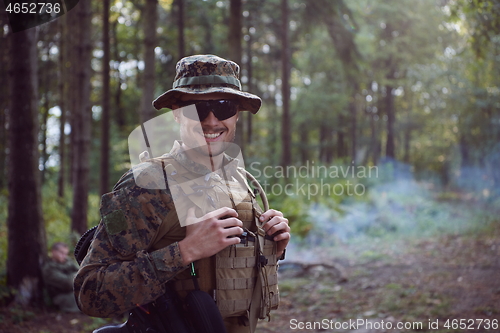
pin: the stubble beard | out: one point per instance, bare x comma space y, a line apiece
213, 149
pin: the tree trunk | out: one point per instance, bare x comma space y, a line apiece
3, 140
389, 109
341, 148
119, 116
304, 143
354, 126
407, 139
26, 233
235, 25
104, 183
62, 106
4, 103
250, 80
373, 139
377, 139
326, 143
235, 53
329, 144
207, 26
82, 118
274, 119
148, 84
322, 143
286, 129
73, 95
180, 28
43, 140
45, 114
465, 155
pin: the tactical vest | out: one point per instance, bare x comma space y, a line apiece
233, 275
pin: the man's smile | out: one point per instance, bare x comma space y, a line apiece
213, 135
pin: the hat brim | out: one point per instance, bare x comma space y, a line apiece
247, 101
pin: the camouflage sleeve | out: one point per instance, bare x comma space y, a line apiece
118, 272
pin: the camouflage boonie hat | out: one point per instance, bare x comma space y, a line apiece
206, 74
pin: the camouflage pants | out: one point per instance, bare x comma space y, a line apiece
66, 302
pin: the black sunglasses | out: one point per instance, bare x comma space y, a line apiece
222, 109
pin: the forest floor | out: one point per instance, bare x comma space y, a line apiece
417, 282
437, 280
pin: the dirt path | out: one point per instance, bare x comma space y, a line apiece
453, 277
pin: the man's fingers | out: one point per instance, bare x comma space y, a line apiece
232, 241
233, 231
223, 212
218, 214
276, 224
281, 236
230, 222
270, 213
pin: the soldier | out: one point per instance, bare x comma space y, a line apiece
148, 237
58, 273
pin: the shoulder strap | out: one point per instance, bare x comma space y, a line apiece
256, 183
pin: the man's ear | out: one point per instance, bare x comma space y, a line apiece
176, 112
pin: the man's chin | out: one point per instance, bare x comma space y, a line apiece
212, 149
217, 148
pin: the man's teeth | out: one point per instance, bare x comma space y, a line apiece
211, 135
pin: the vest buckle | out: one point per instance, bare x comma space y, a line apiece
262, 261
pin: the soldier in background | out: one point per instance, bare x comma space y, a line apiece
58, 274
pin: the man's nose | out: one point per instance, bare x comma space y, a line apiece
211, 119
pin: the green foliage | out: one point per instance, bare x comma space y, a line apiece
298, 190
97, 323
295, 210
3, 230
482, 20
18, 314
56, 214
57, 218
344, 53
410, 302
5, 292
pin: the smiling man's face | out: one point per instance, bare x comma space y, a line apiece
211, 136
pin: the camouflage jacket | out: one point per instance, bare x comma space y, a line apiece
122, 270
119, 273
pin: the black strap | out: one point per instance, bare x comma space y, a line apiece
82, 247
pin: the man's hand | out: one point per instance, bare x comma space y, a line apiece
209, 234
276, 225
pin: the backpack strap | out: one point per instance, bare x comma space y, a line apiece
255, 183
261, 302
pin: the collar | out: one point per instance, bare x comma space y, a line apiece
179, 155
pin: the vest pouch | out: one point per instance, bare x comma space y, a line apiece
268, 275
235, 278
